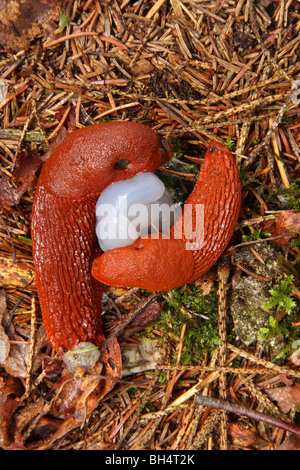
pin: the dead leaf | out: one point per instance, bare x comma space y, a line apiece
244, 436
24, 176
16, 275
11, 390
29, 163
9, 195
78, 395
4, 346
27, 166
285, 225
206, 281
142, 66
292, 442
21, 22
286, 397
4, 339
16, 362
143, 318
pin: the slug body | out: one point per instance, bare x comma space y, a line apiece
63, 222
66, 253
162, 264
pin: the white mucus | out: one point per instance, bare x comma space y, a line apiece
133, 208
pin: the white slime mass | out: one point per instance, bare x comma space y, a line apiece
133, 208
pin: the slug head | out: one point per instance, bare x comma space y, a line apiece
152, 264
90, 159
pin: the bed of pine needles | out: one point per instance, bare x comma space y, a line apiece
192, 70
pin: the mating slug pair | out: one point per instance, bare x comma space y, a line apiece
68, 261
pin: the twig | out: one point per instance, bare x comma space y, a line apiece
262, 362
82, 34
223, 275
157, 5
242, 411
31, 350
60, 124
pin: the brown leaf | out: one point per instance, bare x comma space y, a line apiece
78, 395
285, 225
4, 339
23, 177
15, 362
243, 436
27, 165
287, 397
10, 390
16, 275
206, 281
145, 316
21, 22
9, 196
292, 442
142, 66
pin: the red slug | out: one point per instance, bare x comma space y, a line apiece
63, 222
66, 256
162, 264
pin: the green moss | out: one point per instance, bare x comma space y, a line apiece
229, 143
291, 195
104, 119
185, 305
281, 302
256, 235
280, 328
280, 296
178, 191
63, 21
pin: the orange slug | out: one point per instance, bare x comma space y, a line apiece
63, 222
162, 264
66, 253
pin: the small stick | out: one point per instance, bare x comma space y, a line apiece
280, 165
242, 411
113, 41
61, 123
157, 5
223, 275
